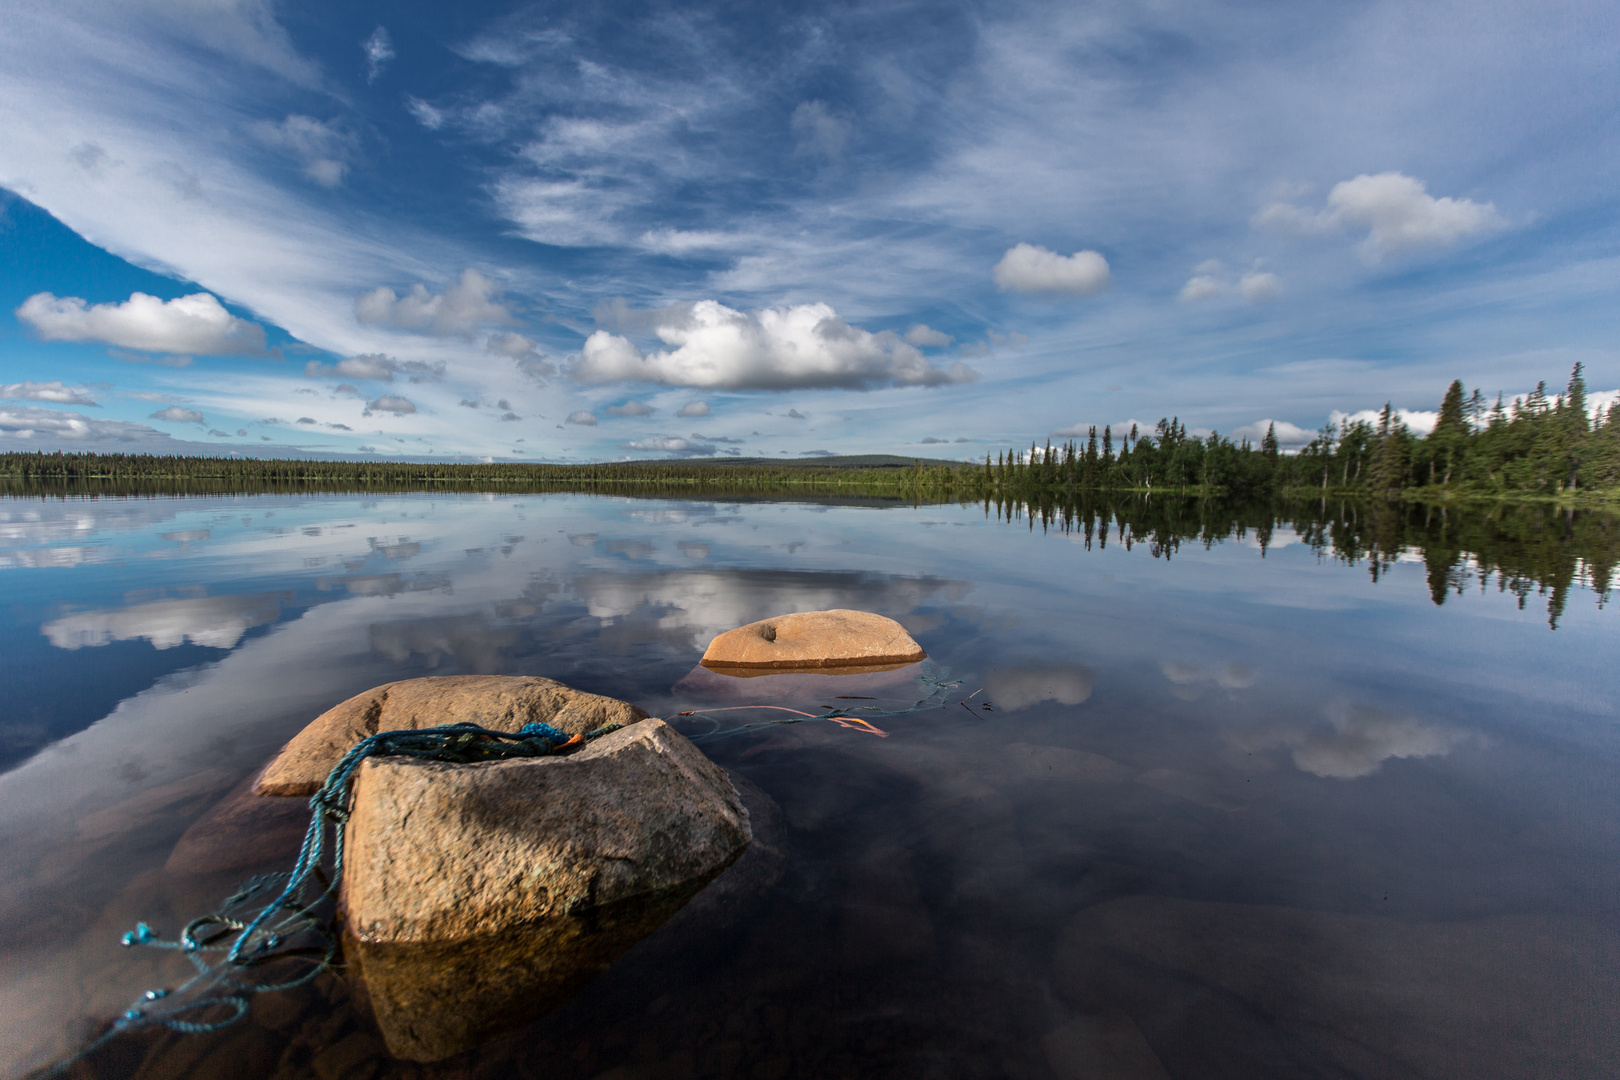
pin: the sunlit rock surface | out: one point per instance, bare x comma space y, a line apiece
498, 702
478, 897
840, 638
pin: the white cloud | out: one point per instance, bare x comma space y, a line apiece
1396, 210
672, 444
462, 308
806, 345
390, 403
630, 408
1289, 436
190, 324
1212, 279
1420, 421
924, 336
426, 115
1018, 688
53, 391
28, 423
817, 132
1029, 268
379, 50
582, 418
1360, 739
511, 343
1201, 287
1259, 286
377, 366
322, 149
693, 409
215, 621
1082, 429
174, 414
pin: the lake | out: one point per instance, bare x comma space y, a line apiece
1247, 801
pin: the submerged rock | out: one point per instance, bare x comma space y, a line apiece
840, 638
498, 702
478, 897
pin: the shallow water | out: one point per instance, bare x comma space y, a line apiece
1245, 811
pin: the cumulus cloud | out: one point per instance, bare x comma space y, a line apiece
700, 437
582, 418
390, 403
1289, 436
174, 414
375, 366
672, 444
462, 308
693, 409
1211, 279
795, 414
817, 132
1397, 211
379, 49
1258, 286
925, 336
510, 343
1082, 429
815, 453
1019, 688
190, 324
1420, 421
323, 150
53, 391
630, 408
1030, 268
1358, 740
215, 621
806, 345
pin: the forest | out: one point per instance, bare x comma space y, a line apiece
1536, 447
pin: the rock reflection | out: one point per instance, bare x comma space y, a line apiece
215, 621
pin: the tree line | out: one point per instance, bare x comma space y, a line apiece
1535, 446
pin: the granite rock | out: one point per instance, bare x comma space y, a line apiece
840, 638
478, 897
498, 702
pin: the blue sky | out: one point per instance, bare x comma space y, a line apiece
563, 232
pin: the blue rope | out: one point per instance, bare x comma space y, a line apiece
289, 929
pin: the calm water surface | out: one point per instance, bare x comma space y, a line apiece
1232, 813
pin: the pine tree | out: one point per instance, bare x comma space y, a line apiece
1268, 445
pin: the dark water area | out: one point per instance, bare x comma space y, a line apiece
1316, 790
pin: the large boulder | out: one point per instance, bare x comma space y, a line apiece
478, 897
498, 702
847, 640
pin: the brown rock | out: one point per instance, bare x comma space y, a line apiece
498, 702
814, 639
478, 897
